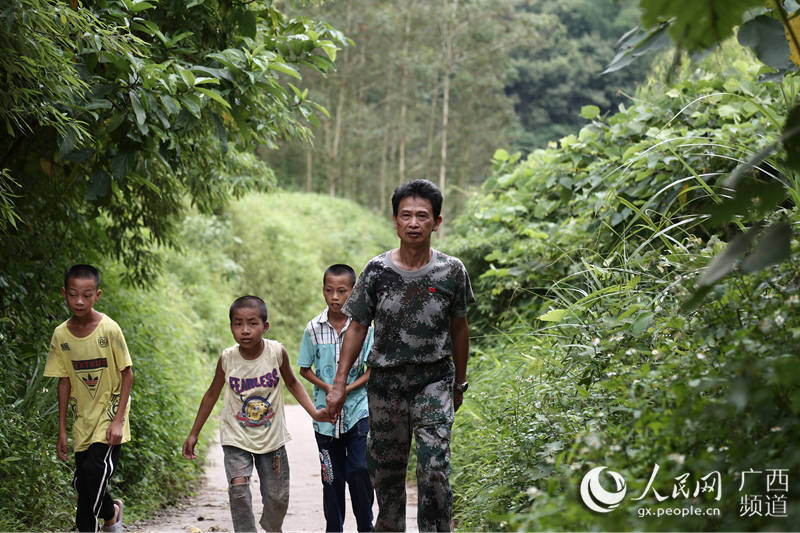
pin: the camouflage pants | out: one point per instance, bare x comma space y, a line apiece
412, 398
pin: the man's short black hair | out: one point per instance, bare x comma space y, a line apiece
82, 272
418, 189
249, 301
337, 270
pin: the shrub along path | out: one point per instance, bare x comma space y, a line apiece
208, 511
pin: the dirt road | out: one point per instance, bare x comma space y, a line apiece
208, 511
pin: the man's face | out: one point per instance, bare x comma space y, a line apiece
414, 221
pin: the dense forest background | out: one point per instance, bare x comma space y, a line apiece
429, 88
631, 236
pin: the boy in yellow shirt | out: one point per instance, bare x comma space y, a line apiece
90, 358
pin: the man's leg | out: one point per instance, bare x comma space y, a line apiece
93, 468
388, 445
273, 473
332, 459
238, 468
361, 493
432, 420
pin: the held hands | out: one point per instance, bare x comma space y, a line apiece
321, 415
188, 447
335, 401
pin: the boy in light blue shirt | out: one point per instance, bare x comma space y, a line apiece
342, 446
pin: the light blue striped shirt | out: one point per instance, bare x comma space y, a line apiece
319, 350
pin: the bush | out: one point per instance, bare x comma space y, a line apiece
583, 258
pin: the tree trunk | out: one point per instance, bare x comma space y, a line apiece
448, 35
401, 149
335, 171
309, 162
431, 128
382, 174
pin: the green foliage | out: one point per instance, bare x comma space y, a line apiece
283, 253
636, 177
772, 35
118, 111
583, 258
39, 39
561, 71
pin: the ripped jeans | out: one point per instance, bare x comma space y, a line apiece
273, 475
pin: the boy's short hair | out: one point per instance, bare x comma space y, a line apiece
249, 301
420, 188
337, 270
82, 272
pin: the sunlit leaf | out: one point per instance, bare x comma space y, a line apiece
554, 315
590, 112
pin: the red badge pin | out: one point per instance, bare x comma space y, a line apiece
431, 289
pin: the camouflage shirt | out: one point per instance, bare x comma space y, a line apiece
411, 309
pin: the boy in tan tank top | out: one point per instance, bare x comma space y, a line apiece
252, 425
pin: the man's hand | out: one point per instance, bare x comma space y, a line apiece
458, 398
335, 401
62, 447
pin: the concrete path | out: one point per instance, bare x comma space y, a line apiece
209, 511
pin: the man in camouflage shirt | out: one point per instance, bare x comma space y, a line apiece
417, 298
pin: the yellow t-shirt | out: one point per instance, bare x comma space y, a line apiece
93, 365
252, 406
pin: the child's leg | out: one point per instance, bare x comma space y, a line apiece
238, 467
332, 458
361, 493
93, 468
273, 473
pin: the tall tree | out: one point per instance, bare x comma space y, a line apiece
119, 111
406, 84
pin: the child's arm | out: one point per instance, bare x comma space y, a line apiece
114, 431
297, 390
206, 406
64, 390
362, 379
309, 375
